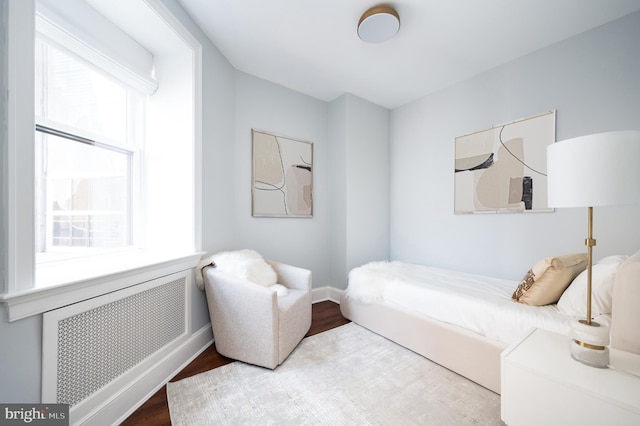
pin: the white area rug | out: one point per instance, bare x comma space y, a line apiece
347, 375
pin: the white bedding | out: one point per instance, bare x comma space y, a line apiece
478, 303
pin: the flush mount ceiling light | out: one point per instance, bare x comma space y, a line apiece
378, 24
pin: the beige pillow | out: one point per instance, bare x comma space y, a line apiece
625, 315
546, 281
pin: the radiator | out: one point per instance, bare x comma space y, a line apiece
95, 349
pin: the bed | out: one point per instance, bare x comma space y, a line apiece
464, 321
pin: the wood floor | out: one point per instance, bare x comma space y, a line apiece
325, 316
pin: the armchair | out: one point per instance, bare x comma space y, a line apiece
250, 322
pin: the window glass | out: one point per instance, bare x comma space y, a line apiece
88, 128
85, 195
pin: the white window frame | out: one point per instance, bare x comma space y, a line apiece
55, 37
21, 295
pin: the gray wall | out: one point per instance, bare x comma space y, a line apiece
367, 183
359, 185
337, 157
592, 80
272, 108
350, 180
3, 137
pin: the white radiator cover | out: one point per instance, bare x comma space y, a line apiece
95, 349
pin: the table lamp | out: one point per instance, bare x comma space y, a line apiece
591, 171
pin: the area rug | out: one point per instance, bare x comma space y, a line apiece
344, 376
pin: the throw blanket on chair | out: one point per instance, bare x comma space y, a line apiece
246, 264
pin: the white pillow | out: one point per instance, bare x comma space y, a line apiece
617, 259
573, 301
246, 264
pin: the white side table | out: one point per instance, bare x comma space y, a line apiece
542, 385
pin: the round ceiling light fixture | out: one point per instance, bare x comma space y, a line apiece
378, 24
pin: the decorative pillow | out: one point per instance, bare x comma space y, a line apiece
573, 301
544, 283
246, 264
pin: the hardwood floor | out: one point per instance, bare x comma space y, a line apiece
325, 316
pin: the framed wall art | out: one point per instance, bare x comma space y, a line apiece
503, 169
282, 176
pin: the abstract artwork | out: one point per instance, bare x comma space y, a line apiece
503, 169
282, 181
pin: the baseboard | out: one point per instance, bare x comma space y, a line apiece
124, 403
326, 293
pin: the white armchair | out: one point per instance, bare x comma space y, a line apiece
250, 322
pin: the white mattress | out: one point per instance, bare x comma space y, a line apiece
478, 303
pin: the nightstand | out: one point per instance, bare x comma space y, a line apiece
542, 385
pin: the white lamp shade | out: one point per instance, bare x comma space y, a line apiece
594, 170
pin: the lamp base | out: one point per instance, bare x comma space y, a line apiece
598, 358
589, 343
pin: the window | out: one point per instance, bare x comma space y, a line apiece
103, 176
89, 130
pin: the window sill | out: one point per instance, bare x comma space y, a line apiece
60, 287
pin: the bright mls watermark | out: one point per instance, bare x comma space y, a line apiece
34, 414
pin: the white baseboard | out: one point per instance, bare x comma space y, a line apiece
123, 404
326, 293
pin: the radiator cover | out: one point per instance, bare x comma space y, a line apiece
95, 348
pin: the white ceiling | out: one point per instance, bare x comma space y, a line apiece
311, 46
